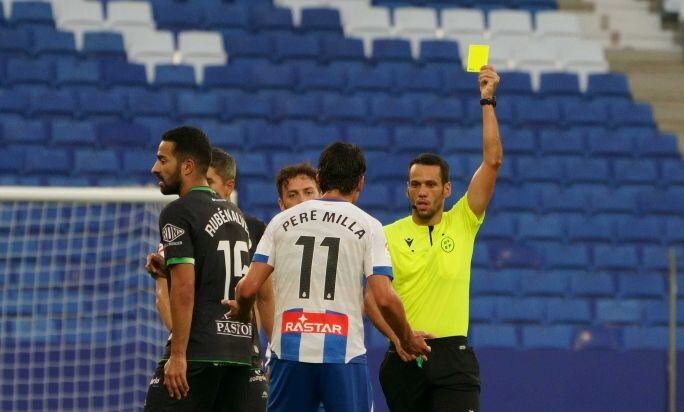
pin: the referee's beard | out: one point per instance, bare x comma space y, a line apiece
171, 184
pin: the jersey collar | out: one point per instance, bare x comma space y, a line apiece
201, 189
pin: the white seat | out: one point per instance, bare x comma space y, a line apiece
152, 49
78, 16
584, 58
367, 23
510, 22
201, 49
457, 22
671, 6
557, 24
296, 7
415, 24
129, 14
535, 58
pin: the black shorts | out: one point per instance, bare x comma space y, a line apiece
448, 381
212, 388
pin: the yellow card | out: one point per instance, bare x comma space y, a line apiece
478, 56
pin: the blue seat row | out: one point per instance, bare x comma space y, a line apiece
531, 5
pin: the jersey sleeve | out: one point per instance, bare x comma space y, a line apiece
175, 232
377, 258
462, 209
265, 252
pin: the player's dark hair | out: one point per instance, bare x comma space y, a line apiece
431, 159
223, 163
340, 167
191, 142
291, 171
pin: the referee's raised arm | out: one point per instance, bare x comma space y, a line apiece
481, 187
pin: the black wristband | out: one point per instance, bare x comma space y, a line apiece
485, 101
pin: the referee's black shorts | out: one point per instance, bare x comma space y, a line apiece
213, 388
448, 381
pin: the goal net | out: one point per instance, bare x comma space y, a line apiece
78, 324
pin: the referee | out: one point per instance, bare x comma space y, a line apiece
431, 252
208, 360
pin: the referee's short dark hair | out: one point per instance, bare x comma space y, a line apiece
291, 171
223, 163
431, 159
191, 142
340, 166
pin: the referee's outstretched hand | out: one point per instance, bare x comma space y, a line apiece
155, 266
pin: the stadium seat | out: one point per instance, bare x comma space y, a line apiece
201, 49
391, 50
561, 142
674, 231
569, 311
48, 161
261, 136
24, 72
369, 138
122, 74
102, 105
132, 18
174, 77
641, 286
669, 202
14, 161
124, 134
592, 284
274, 77
14, 102
321, 20
226, 136
296, 107
178, 16
227, 77
313, 137
249, 48
613, 144
544, 283
73, 134
344, 109
336, 49
462, 140
53, 104
459, 22
515, 24
619, 258
514, 255
377, 80
374, 196
580, 170
521, 200
594, 229
15, 42
96, 162
415, 140
54, 43
540, 169
566, 257
319, 79
248, 106
440, 53
481, 309
415, 24
78, 75
649, 338
548, 227
33, 14
494, 336
145, 103
227, 18
501, 283
580, 113
620, 200
526, 310
496, 227
79, 17
660, 146
568, 200
608, 84
207, 105
24, 132
553, 23
255, 165
619, 311
272, 20
547, 337
104, 46
531, 114
640, 230
415, 81
655, 259
372, 23
559, 84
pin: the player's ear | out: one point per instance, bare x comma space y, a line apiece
359, 185
229, 185
281, 205
447, 189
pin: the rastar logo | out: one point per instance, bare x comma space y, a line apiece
171, 232
306, 322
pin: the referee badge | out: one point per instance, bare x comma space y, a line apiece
447, 244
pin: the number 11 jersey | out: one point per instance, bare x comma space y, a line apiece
321, 250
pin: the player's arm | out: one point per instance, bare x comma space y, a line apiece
247, 289
163, 305
481, 187
182, 299
266, 307
392, 311
373, 313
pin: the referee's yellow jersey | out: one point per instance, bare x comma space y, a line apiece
431, 266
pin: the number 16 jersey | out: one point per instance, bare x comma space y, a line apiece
320, 251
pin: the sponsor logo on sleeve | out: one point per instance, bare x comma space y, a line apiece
171, 232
